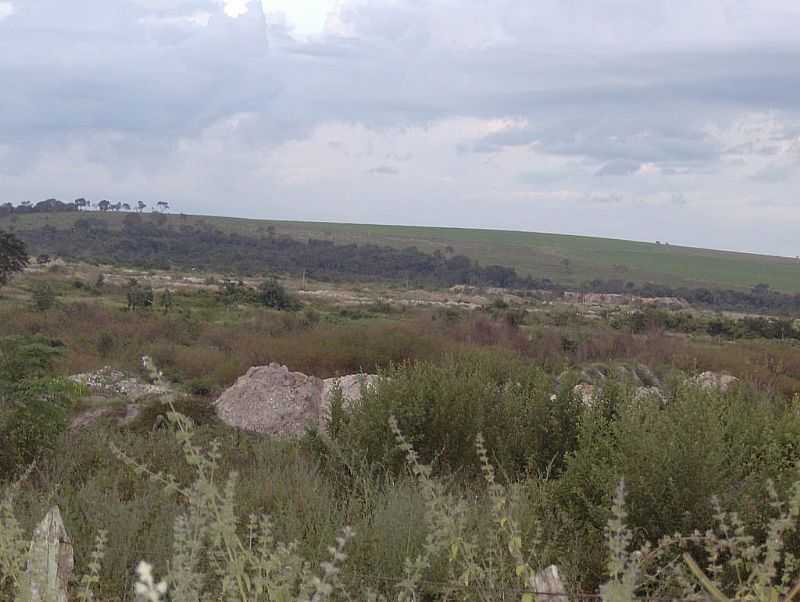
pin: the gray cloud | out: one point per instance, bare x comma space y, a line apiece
542, 108
619, 167
383, 170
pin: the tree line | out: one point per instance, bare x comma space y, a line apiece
80, 204
156, 244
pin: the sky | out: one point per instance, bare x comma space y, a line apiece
657, 120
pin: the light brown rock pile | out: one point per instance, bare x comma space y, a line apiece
273, 400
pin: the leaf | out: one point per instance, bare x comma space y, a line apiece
712, 589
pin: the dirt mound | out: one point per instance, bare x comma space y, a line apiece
273, 400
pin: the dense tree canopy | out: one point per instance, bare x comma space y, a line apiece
151, 243
13, 256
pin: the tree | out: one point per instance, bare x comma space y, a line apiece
104, 205
141, 205
81, 203
126, 207
13, 256
138, 296
273, 294
166, 300
163, 205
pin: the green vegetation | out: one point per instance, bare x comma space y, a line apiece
561, 258
471, 465
13, 256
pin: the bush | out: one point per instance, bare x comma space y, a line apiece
443, 407
35, 423
675, 458
273, 294
202, 386
24, 357
44, 297
106, 343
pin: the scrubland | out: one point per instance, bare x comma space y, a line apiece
469, 467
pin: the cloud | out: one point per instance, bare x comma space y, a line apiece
383, 170
618, 167
542, 115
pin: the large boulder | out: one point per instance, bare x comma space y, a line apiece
272, 400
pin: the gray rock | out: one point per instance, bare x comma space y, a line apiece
273, 400
351, 387
585, 393
648, 393
547, 584
51, 560
714, 380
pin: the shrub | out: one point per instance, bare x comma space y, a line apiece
442, 407
272, 293
106, 343
36, 421
675, 458
24, 357
43, 296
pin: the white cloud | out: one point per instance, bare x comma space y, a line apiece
6, 9
236, 8
305, 18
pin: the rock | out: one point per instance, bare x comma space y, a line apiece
51, 560
714, 380
351, 387
648, 393
271, 399
547, 584
108, 382
599, 374
585, 393
123, 414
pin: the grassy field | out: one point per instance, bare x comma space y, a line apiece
563, 258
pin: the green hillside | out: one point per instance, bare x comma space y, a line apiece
564, 258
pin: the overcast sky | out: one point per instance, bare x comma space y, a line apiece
665, 119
